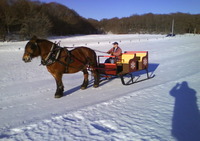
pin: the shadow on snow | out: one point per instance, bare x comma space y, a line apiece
186, 116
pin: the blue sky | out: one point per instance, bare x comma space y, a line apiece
99, 9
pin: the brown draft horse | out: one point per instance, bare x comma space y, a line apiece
59, 60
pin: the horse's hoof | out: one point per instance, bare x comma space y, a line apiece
83, 88
95, 86
58, 96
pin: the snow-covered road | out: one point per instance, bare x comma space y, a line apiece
163, 108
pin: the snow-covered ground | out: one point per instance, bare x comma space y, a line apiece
165, 108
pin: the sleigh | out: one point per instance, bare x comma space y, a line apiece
125, 66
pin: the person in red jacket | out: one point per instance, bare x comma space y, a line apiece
114, 51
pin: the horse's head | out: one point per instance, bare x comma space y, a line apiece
31, 50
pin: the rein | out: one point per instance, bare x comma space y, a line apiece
99, 51
91, 49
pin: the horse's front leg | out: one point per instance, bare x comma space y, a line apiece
85, 81
60, 87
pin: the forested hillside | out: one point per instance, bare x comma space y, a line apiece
21, 19
26, 18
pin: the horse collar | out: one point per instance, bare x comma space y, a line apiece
52, 56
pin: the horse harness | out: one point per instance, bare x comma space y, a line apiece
54, 56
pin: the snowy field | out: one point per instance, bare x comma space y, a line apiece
165, 108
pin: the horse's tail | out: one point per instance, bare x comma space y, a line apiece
95, 69
94, 62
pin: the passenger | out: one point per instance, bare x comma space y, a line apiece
114, 51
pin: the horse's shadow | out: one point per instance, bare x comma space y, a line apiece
74, 89
186, 116
91, 82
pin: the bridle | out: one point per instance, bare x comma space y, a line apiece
34, 46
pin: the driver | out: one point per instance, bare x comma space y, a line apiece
114, 51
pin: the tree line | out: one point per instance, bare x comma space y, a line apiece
150, 23
25, 18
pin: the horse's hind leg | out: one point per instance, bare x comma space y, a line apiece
85, 81
96, 78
